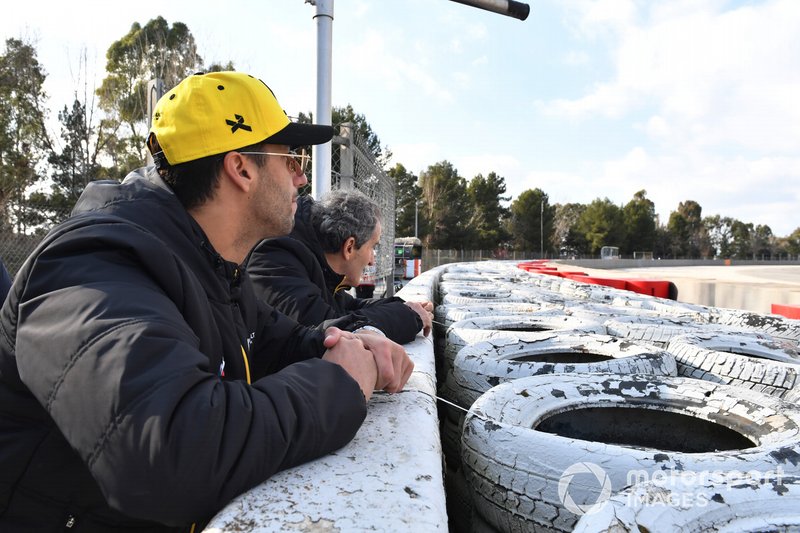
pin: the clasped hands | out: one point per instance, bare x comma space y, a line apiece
374, 361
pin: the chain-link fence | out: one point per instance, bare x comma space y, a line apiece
24, 225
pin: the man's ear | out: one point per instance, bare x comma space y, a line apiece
349, 248
235, 168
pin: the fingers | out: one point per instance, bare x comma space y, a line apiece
332, 336
350, 354
425, 314
394, 364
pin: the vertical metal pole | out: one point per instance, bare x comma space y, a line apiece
416, 209
346, 158
321, 177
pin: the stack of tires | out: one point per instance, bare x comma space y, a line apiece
574, 407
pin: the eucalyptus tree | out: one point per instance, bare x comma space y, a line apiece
156, 50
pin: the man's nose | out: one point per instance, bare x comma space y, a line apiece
300, 180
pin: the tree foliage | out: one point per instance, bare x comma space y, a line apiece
444, 204
689, 235
532, 221
407, 196
486, 221
153, 51
24, 142
639, 220
602, 224
566, 238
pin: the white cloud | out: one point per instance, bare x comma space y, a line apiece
501, 164
716, 76
576, 57
416, 157
378, 62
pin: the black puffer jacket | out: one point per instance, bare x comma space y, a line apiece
126, 344
292, 274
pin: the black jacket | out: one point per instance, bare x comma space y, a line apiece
126, 345
292, 274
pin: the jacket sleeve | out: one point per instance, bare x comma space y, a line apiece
104, 347
284, 341
391, 315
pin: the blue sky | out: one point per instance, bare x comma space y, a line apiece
687, 99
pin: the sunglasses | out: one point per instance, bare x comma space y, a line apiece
296, 161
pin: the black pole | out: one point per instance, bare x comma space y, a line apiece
510, 8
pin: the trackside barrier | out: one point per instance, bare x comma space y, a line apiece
607, 282
659, 288
388, 478
789, 311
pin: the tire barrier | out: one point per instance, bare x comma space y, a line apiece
481, 366
479, 295
657, 330
529, 445
775, 325
737, 359
446, 315
733, 502
602, 312
477, 329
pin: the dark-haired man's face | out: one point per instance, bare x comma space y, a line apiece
275, 195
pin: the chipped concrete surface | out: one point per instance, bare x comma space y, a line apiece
388, 478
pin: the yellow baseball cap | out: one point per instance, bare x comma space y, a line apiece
214, 113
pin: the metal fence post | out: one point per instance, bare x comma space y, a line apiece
346, 156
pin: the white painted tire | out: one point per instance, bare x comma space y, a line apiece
663, 306
775, 325
481, 366
601, 311
446, 288
474, 296
447, 315
733, 502
477, 329
656, 330
742, 360
528, 444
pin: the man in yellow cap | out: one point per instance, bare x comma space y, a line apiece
142, 383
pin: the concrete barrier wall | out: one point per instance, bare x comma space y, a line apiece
388, 478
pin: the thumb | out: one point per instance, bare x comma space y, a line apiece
332, 336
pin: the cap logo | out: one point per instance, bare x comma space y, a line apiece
239, 124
